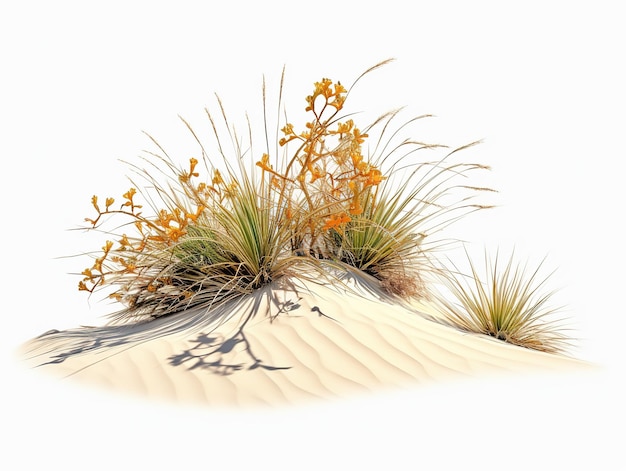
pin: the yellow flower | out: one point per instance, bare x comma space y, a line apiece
290, 135
185, 176
339, 88
217, 178
336, 221
164, 218
264, 163
356, 159
374, 177
201, 187
343, 128
333, 97
192, 165
231, 190
129, 196
338, 102
129, 266
316, 173
288, 129
194, 217
358, 137
321, 87
363, 168
129, 199
175, 233
355, 207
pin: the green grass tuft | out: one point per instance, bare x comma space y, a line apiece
507, 302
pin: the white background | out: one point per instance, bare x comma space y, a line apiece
540, 82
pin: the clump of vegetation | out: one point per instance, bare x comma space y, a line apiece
326, 196
506, 302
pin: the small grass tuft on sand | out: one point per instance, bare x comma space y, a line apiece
506, 301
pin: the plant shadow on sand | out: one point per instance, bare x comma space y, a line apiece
210, 353
218, 345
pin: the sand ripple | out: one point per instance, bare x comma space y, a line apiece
318, 343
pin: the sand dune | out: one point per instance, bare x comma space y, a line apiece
319, 342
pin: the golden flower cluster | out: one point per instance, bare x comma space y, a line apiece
328, 166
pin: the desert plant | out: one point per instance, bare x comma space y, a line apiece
376, 212
507, 303
244, 225
231, 244
235, 232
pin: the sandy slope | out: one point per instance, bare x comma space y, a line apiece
318, 342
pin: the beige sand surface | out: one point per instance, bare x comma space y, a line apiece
319, 342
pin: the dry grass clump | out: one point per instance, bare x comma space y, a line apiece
507, 302
324, 197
